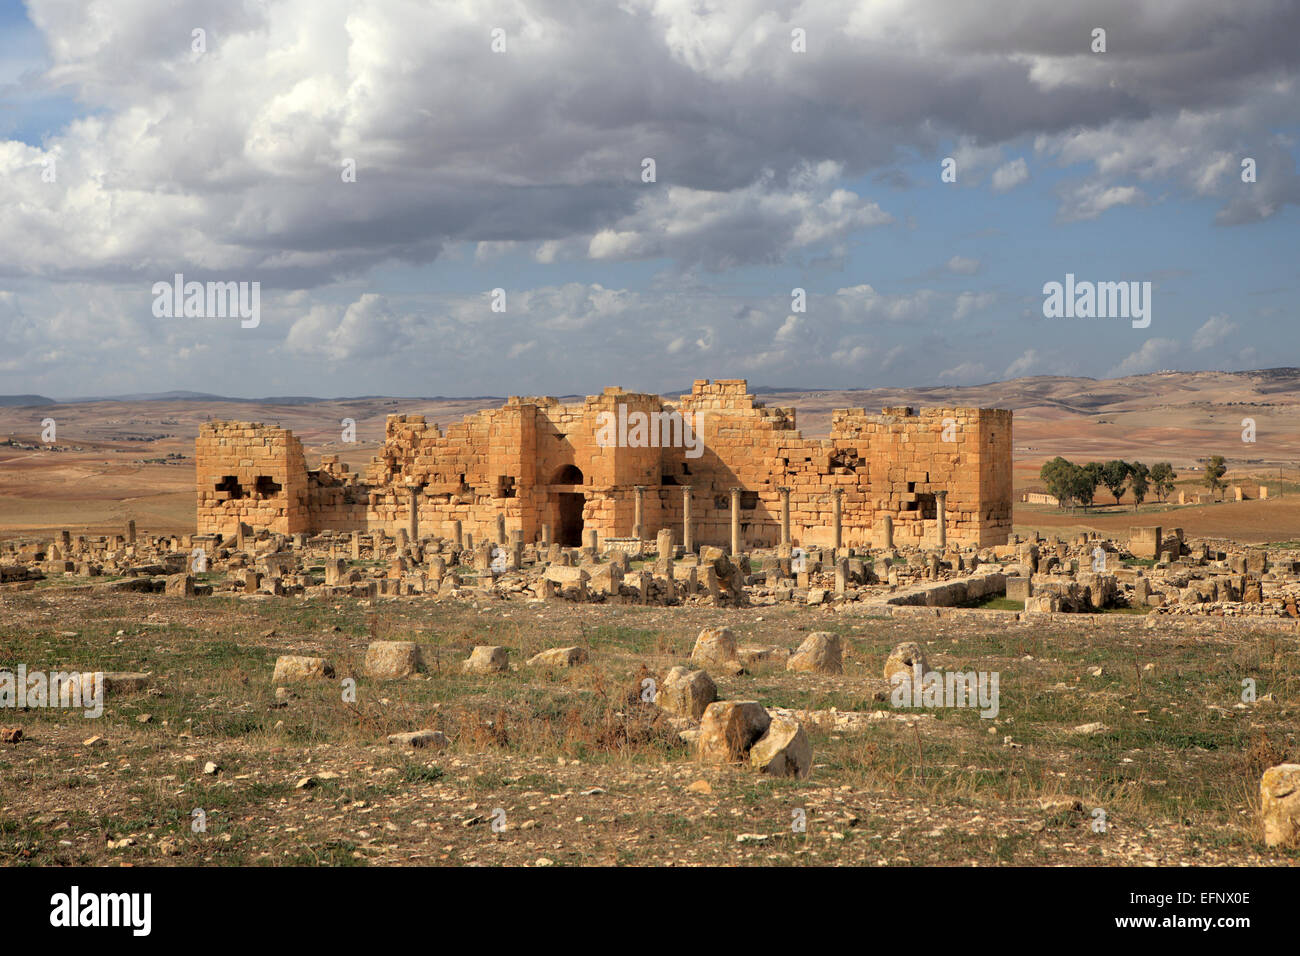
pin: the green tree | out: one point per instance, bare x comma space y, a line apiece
1214, 471
1139, 482
1083, 485
1058, 476
1162, 479
1114, 475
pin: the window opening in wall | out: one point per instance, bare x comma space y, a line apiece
230, 486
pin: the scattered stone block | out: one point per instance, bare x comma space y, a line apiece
729, 728
392, 660
419, 739
784, 750
820, 653
686, 693
716, 646
293, 668
907, 658
1279, 792
486, 659
179, 585
559, 657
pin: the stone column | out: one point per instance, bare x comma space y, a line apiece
888, 524
501, 529
735, 522
638, 512
457, 536
785, 517
688, 540
413, 522
837, 514
130, 533
941, 508
546, 536
665, 543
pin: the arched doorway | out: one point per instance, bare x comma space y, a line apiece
568, 507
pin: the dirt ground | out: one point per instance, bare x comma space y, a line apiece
568, 766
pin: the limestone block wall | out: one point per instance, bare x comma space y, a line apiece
745, 445
542, 463
473, 472
247, 471
910, 457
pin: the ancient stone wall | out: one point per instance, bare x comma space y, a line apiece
559, 470
249, 472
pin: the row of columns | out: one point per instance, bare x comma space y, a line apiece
638, 524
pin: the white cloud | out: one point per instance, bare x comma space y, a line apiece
1154, 355
1010, 175
1089, 200
1028, 361
1216, 330
967, 373
971, 302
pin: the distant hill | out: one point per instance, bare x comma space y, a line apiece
182, 396
1066, 394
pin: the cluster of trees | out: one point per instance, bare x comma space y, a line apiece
1077, 484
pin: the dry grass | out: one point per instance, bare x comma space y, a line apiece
1176, 768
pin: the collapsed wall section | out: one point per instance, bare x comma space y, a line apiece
471, 474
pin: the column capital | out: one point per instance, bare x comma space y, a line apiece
639, 487
837, 491
783, 489
941, 494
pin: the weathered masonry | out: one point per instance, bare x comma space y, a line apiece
551, 471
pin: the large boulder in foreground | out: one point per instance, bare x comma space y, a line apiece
293, 668
486, 659
1279, 792
392, 660
716, 648
784, 751
729, 728
686, 693
907, 658
820, 653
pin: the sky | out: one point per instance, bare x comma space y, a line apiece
501, 145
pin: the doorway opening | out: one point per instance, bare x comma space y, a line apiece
568, 506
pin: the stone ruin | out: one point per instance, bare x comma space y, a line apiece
901, 478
